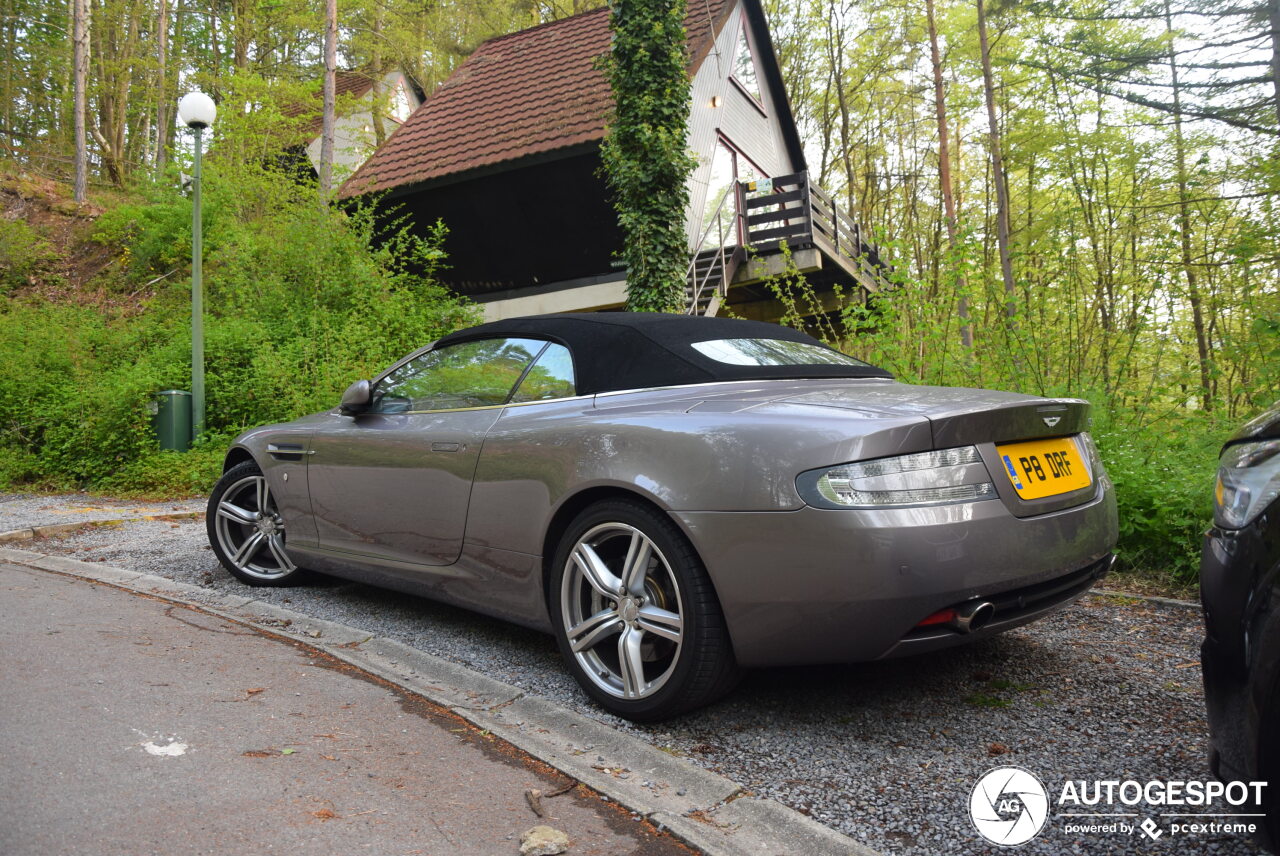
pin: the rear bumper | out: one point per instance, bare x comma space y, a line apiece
1013, 608
818, 586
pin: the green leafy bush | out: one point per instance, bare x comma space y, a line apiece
300, 301
1164, 490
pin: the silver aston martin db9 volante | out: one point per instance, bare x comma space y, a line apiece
677, 498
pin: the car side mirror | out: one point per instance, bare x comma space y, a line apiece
356, 399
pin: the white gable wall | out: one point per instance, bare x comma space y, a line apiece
353, 135
739, 119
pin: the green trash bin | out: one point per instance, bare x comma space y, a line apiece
171, 419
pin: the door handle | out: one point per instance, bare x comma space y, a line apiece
445, 447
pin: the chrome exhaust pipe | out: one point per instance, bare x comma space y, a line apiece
972, 615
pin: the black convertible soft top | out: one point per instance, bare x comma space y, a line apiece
636, 350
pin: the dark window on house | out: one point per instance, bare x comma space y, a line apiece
744, 66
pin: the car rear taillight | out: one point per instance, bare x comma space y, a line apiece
939, 477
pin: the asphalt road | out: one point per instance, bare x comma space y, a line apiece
134, 726
884, 752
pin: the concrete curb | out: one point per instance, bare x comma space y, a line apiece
56, 530
704, 809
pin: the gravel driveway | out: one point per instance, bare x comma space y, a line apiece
884, 752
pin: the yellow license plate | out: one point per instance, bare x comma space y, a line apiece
1041, 468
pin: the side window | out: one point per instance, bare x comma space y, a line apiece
469, 374
550, 377
744, 66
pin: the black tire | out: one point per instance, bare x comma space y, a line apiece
235, 516
661, 676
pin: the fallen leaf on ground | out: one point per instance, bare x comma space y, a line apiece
324, 814
255, 691
997, 749
533, 797
286, 751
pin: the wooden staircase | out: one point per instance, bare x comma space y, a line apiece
708, 278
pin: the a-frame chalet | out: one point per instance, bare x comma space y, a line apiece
506, 153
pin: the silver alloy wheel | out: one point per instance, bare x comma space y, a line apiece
251, 531
622, 611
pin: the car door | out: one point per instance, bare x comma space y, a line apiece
392, 485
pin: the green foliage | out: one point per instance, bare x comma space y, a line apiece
645, 158
165, 474
1164, 489
300, 302
24, 255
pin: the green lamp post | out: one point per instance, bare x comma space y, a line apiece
197, 111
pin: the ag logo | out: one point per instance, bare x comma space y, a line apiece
1008, 806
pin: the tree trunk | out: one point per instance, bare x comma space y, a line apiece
376, 64
330, 95
162, 97
997, 168
117, 43
80, 59
10, 49
1184, 222
241, 22
214, 48
1273, 9
944, 171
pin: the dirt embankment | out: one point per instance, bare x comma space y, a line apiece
75, 268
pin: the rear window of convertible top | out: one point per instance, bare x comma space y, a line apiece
772, 352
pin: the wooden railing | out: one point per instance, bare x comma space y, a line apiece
801, 213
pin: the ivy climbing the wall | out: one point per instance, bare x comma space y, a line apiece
646, 158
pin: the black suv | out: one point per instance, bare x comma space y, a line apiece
1240, 591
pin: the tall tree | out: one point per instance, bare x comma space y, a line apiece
998, 177
944, 169
163, 120
330, 99
118, 36
1184, 222
80, 62
1273, 16
377, 67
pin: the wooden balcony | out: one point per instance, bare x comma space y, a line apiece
804, 216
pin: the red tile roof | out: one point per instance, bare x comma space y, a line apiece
522, 94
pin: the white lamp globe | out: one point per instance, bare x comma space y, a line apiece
196, 110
